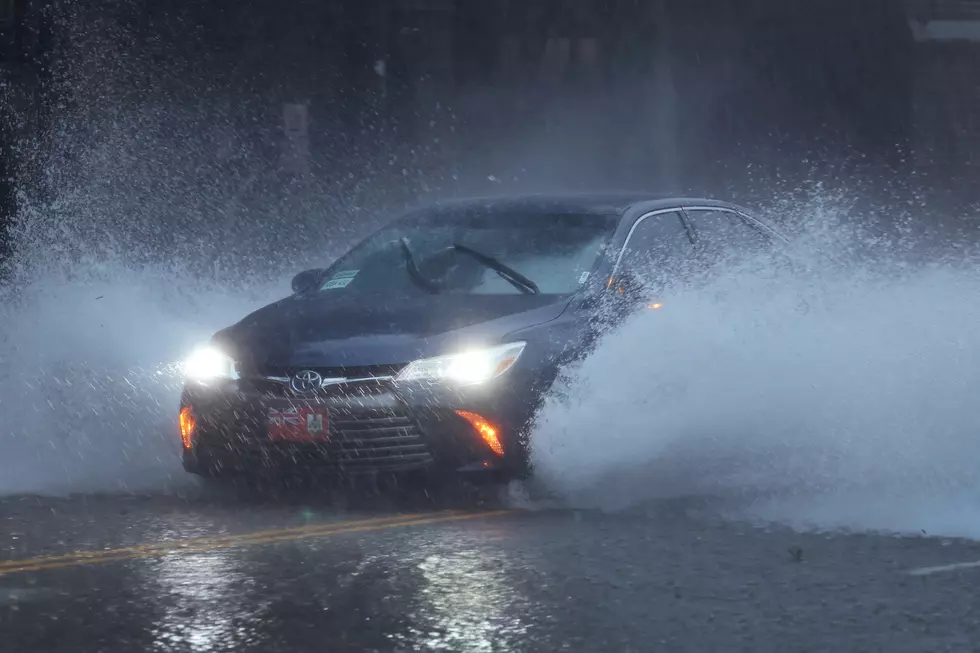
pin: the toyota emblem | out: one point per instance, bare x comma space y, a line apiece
306, 382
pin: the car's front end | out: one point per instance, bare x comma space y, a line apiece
462, 414
425, 348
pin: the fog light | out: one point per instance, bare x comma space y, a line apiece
485, 429
188, 425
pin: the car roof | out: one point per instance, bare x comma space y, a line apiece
587, 203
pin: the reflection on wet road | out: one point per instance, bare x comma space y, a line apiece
165, 574
227, 541
467, 602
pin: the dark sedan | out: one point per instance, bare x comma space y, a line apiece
429, 345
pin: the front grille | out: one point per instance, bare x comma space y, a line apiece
374, 439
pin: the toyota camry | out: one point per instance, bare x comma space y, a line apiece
430, 344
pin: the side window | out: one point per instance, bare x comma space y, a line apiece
726, 236
658, 250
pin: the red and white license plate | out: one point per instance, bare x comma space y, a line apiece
298, 424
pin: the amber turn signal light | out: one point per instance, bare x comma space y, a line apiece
188, 424
486, 430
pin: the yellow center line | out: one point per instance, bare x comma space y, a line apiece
217, 539
39, 564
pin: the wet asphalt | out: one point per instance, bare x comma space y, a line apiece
198, 573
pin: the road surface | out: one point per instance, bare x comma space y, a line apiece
168, 573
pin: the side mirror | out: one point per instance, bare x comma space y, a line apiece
617, 300
306, 280
628, 289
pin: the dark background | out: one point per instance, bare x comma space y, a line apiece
165, 119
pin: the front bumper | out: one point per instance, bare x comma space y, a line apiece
372, 426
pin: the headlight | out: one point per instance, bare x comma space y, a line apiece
465, 367
209, 364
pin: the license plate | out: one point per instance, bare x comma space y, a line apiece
298, 424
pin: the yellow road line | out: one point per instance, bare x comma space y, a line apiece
217, 538
204, 545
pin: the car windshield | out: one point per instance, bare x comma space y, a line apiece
481, 253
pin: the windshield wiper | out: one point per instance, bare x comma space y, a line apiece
414, 274
507, 273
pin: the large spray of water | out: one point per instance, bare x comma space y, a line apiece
152, 211
87, 392
133, 248
842, 395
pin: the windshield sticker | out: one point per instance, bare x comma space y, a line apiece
336, 283
340, 280
582, 279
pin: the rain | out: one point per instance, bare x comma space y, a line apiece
763, 457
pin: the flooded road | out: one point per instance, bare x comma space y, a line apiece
162, 573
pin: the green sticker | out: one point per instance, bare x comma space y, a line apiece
336, 283
340, 279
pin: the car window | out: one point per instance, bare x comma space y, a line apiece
725, 236
558, 252
658, 250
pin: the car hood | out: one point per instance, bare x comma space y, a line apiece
314, 331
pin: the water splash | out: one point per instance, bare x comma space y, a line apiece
147, 219
87, 396
842, 396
